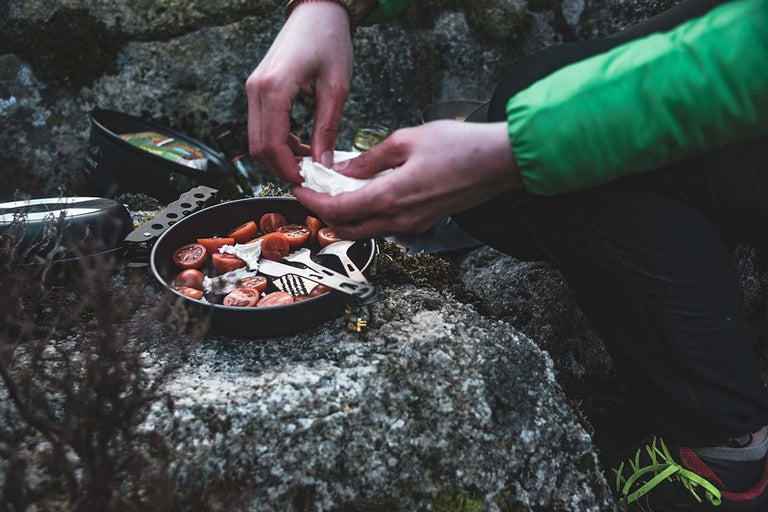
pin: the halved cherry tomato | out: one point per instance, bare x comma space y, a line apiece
215, 243
193, 293
190, 256
255, 282
320, 289
313, 225
275, 299
270, 222
242, 297
326, 236
274, 246
245, 232
191, 278
225, 262
296, 234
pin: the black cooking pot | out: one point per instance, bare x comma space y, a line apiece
114, 166
254, 322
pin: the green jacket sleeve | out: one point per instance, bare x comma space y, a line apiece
386, 10
647, 103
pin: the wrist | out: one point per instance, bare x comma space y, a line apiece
348, 5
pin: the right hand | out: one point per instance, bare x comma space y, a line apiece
438, 169
311, 54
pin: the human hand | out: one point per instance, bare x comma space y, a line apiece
440, 168
311, 54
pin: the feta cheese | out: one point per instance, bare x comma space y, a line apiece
322, 179
249, 253
225, 283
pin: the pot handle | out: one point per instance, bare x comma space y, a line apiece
139, 242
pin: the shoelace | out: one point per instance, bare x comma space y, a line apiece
663, 467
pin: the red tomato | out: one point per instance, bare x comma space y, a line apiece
326, 236
189, 292
245, 232
270, 222
275, 299
296, 234
191, 278
300, 298
320, 289
256, 282
313, 225
274, 246
225, 262
213, 244
242, 297
190, 256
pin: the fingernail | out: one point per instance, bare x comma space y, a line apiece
326, 159
341, 165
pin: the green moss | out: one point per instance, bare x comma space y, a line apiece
272, 189
422, 269
459, 502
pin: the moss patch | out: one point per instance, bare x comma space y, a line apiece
460, 502
422, 269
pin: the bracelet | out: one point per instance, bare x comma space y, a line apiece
346, 4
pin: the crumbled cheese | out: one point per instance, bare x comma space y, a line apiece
225, 283
249, 253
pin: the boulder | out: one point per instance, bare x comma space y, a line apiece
433, 405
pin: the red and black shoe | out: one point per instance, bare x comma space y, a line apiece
659, 479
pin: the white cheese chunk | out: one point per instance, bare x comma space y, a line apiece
249, 253
322, 179
225, 283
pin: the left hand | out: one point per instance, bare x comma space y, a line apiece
440, 168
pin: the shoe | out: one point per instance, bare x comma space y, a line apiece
659, 479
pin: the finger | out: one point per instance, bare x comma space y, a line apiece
386, 155
335, 210
267, 141
299, 149
370, 228
352, 228
330, 98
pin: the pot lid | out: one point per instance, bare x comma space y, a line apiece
62, 227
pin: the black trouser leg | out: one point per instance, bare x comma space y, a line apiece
655, 280
647, 258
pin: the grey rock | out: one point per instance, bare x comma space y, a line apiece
434, 402
534, 297
42, 133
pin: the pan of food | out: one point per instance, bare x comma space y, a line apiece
262, 267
